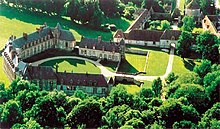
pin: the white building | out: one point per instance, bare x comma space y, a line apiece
96, 48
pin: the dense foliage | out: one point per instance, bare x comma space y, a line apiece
192, 101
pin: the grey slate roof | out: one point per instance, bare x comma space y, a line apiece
64, 35
108, 46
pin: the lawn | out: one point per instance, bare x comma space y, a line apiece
110, 65
134, 63
134, 88
157, 60
73, 65
180, 66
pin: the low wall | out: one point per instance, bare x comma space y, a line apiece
134, 51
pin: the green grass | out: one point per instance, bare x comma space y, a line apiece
134, 63
73, 65
110, 65
182, 3
147, 84
135, 89
157, 60
180, 66
3, 77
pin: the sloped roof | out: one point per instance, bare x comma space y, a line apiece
193, 5
168, 34
106, 45
64, 35
81, 79
144, 35
43, 72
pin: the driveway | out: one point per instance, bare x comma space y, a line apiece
108, 73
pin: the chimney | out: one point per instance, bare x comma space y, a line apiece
25, 36
99, 39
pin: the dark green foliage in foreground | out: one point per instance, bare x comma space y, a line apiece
191, 102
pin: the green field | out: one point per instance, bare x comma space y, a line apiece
134, 63
73, 65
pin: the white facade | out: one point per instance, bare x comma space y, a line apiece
113, 56
167, 43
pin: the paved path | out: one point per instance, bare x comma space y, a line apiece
108, 73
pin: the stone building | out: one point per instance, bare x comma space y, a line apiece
48, 79
99, 49
44, 38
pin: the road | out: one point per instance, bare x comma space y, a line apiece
108, 73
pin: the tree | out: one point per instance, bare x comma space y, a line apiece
146, 92
31, 124
109, 7
207, 45
87, 112
171, 77
11, 114
203, 68
195, 94
115, 116
136, 123
47, 113
157, 86
154, 25
211, 117
188, 23
184, 43
173, 110
129, 10
184, 124
85, 11
154, 4
165, 25
149, 116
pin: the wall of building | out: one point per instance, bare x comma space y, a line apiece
143, 43
100, 54
9, 71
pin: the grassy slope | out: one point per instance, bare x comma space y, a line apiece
14, 21
134, 88
3, 77
73, 65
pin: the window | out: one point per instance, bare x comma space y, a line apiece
66, 44
109, 56
38, 47
113, 57
105, 56
100, 55
154, 43
103, 90
82, 51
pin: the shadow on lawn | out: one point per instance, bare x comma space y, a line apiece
189, 64
126, 67
38, 18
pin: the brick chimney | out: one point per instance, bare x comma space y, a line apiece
99, 39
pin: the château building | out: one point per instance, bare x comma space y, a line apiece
104, 50
44, 38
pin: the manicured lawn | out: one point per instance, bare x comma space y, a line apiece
110, 65
3, 77
134, 88
134, 63
147, 84
180, 66
73, 65
157, 60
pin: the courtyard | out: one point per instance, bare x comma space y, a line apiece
72, 65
